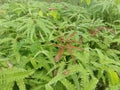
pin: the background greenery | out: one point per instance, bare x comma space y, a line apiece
60, 45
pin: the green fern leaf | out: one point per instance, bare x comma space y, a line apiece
14, 74
114, 78
92, 84
48, 87
72, 69
76, 82
88, 2
68, 84
21, 84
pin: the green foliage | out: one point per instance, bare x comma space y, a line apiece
60, 46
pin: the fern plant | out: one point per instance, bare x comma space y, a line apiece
59, 46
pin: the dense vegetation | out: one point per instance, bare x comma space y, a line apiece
60, 45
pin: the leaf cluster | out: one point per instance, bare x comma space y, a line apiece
59, 46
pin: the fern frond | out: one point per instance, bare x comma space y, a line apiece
68, 84
14, 74
76, 81
48, 87
113, 77
92, 84
21, 84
